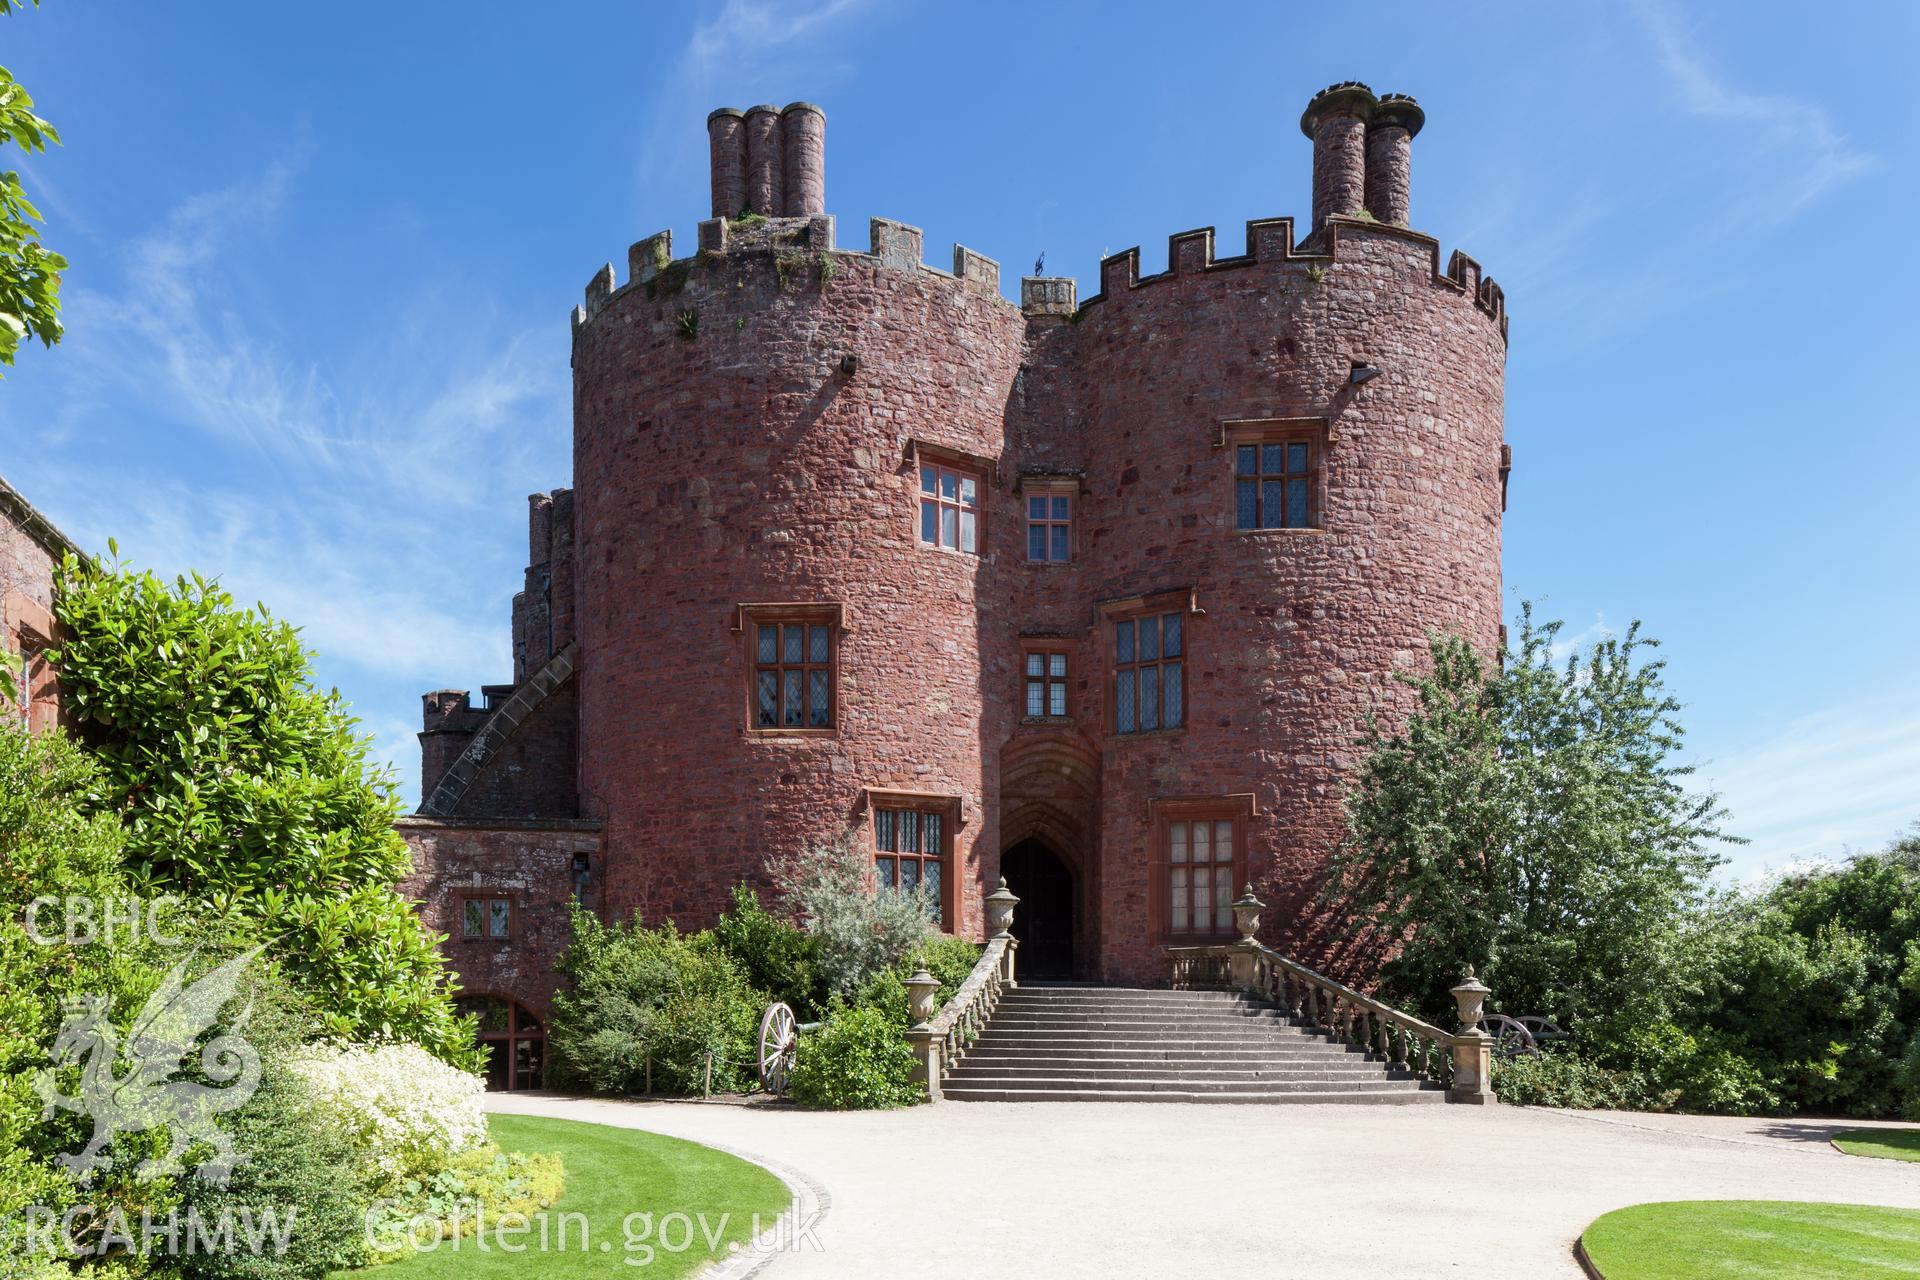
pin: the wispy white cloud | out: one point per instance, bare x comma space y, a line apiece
739, 54
1796, 153
368, 488
1845, 780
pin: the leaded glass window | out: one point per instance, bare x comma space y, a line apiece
1272, 486
1200, 876
910, 850
1149, 677
793, 675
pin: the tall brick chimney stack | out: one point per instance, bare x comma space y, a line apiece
727, 146
1336, 120
1396, 119
805, 128
769, 161
766, 164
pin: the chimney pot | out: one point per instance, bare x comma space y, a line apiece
1336, 120
1396, 119
804, 130
766, 170
727, 149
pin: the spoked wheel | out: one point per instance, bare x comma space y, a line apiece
779, 1042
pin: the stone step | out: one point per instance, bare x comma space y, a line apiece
1194, 1051
978, 1093
1199, 1084
1125, 1044
1108, 1071
1124, 995
1020, 1036
1105, 1022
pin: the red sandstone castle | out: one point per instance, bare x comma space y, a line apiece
1095, 595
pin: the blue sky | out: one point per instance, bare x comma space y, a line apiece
317, 312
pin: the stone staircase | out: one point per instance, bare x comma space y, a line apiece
1122, 1044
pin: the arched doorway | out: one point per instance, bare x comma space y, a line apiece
515, 1042
1043, 922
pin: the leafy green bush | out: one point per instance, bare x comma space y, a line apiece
299, 1167
54, 843
242, 785
638, 994
1815, 981
857, 931
948, 959
776, 955
1557, 1078
856, 1061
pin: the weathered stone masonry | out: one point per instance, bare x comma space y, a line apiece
30, 553
749, 424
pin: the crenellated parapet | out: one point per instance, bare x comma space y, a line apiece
1271, 241
893, 245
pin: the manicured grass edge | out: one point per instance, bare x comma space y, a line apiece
1586, 1263
1856, 1134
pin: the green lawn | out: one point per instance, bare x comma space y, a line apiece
1887, 1144
1754, 1240
612, 1174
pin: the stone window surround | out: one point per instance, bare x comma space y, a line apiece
747, 618
1183, 601
985, 470
477, 893
1036, 486
953, 808
1162, 811
1316, 433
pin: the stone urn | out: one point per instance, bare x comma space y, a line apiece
1246, 914
1000, 905
1471, 996
920, 992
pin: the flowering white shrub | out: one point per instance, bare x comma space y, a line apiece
407, 1112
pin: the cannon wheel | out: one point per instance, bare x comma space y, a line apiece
779, 1040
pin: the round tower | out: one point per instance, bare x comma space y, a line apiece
771, 652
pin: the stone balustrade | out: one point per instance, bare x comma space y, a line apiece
941, 1040
1462, 1061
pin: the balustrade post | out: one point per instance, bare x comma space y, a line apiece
1000, 905
1472, 1047
921, 1037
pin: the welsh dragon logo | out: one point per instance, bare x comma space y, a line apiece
147, 1094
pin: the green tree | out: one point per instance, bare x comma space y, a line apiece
241, 785
29, 271
1532, 822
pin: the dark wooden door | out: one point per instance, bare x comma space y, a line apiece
1043, 922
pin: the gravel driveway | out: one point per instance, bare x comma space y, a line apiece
1284, 1192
